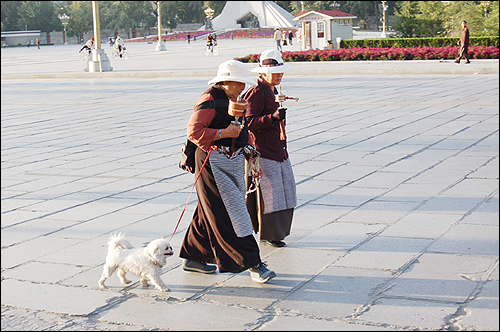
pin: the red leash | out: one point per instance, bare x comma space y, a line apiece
185, 206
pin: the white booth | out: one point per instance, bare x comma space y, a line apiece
322, 29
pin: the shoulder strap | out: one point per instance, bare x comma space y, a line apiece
214, 103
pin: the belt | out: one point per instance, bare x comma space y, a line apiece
228, 152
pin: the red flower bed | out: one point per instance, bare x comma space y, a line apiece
407, 53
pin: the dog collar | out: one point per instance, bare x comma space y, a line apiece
157, 264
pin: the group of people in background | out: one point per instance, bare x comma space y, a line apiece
282, 36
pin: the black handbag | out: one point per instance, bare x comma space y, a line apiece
188, 150
187, 157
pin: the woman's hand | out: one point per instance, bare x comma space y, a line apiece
279, 114
231, 131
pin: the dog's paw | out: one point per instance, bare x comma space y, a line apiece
165, 289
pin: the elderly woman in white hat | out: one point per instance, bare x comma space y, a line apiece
271, 207
221, 231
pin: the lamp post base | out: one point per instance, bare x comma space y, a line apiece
99, 62
160, 46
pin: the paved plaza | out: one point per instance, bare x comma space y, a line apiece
396, 164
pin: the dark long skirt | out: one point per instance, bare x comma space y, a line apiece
274, 226
210, 238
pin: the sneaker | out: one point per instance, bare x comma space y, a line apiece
192, 266
261, 274
278, 243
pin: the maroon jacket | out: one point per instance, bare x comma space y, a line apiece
464, 38
264, 131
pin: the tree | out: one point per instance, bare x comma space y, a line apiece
287, 5
363, 10
10, 15
81, 19
126, 14
491, 19
38, 15
190, 11
474, 13
406, 23
431, 19
169, 14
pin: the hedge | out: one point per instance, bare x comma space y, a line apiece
415, 42
393, 53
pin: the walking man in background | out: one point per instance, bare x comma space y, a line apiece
464, 44
277, 38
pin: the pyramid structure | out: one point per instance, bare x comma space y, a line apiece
252, 14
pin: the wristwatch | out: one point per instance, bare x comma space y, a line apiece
220, 133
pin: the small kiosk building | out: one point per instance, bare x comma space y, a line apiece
323, 28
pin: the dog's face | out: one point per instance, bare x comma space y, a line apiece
160, 249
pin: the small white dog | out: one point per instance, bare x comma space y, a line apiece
146, 263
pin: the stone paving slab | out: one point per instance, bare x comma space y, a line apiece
397, 183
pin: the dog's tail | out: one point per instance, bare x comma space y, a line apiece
118, 241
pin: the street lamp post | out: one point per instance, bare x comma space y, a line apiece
64, 20
160, 46
384, 8
99, 61
485, 5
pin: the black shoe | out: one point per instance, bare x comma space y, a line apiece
467, 62
261, 274
192, 266
278, 243
457, 61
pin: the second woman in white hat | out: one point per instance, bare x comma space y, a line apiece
272, 205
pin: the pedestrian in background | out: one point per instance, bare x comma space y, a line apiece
271, 206
189, 38
277, 38
290, 36
464, 44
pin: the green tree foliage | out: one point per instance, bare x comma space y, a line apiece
443, 19
10, 15
39, 15
361, 9
169, 14
491, 21
81, 21
476, 15
190, 11
431, 18
406, 24
128, 14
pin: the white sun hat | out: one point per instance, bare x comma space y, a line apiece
271, 62
233, 70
